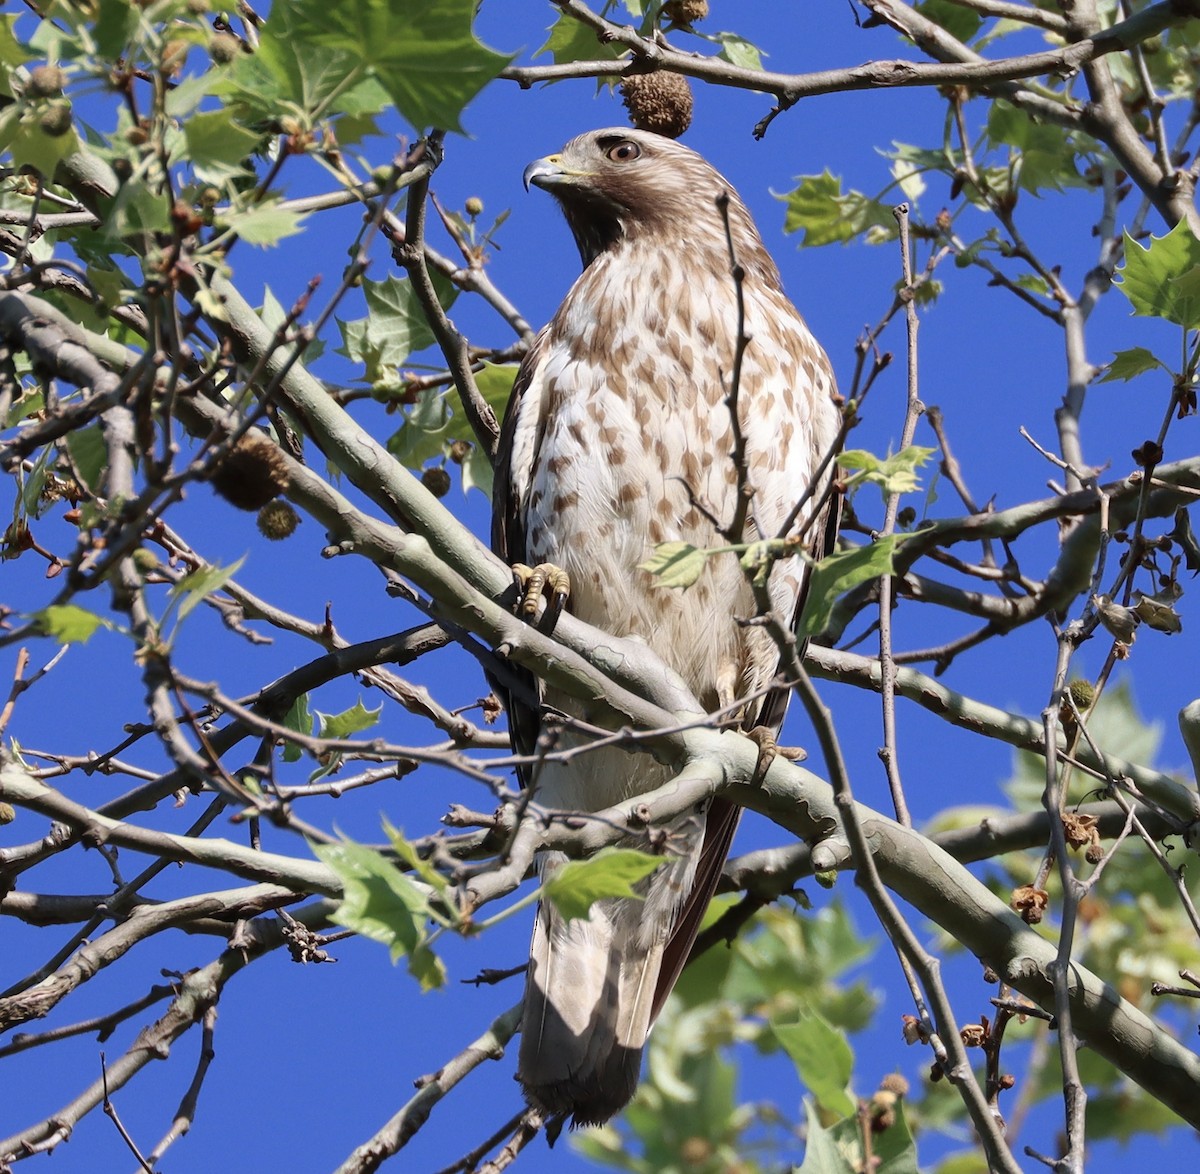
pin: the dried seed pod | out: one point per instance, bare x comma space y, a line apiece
277, 520
658, 102
252, 473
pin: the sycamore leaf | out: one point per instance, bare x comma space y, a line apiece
572, 40
676, 564
1162, 279
299, 719
894, 474
838, 573
820, 210
838, 1149
217, 146
612, 872
350, 721
1183, 534
1130, 364
495, 383
425, 55
425, 431
823, 1060
410, 856
383, 904
69, 624
265, 224
89, 455
193, 587
1158, 612
394, 328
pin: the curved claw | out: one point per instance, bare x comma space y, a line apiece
546, 579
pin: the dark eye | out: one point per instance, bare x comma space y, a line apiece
624, 151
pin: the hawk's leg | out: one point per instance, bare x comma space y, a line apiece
768, 749
763, 736
545, 579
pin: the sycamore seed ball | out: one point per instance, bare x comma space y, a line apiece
277, 520
474, 206
686, 11
56, 119
252, 474
658, 102
436, 480
45, 81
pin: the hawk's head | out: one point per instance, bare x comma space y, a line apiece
621, 185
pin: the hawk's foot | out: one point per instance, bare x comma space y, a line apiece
534, 582
768, 750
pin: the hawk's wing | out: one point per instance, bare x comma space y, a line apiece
521, 429
723, 815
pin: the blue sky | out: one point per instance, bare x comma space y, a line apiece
311, 1061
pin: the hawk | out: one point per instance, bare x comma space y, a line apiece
618, 437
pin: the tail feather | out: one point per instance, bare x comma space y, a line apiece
590, 992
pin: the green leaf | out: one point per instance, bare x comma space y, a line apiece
426, 429
612, 872
193, 587
423, 53
1043, 156
265, 224
217, 148
383, 904
395, 327
823, 1060
823, 1154
676, 564
737, 50
839, 1148
572, 40
89, 455
894, 474
1162, 280
410, 856
299, 719
961, 23
495, 383
69, 624
349, 722
838, 573
1130, 364
820, 210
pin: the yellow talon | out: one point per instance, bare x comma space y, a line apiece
547, 580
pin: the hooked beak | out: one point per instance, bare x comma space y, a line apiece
546, 173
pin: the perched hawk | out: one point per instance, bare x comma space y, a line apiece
619, 437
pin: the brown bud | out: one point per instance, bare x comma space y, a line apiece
894, 1082
913, 1029
252, 473
277, 520
460, 450
1148, 454
1030, 903
695, 1151
974, 1035
659, 102
492, 709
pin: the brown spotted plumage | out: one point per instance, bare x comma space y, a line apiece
619, 437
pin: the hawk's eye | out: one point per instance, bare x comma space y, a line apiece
624, 151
